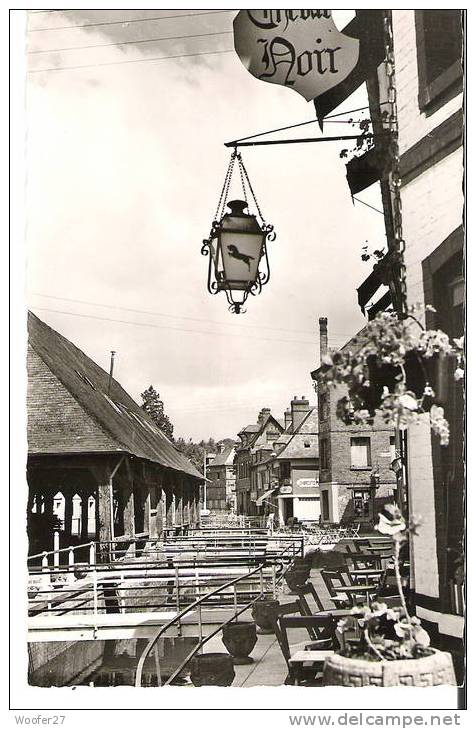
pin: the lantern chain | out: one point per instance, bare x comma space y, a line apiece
245, 172
226, 186
395, 180
241, 168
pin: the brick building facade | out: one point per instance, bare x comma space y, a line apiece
429, 79
221, 490
253, 438
355, 477
428, 51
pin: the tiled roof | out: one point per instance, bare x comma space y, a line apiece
223, 458
254, 428
307, 431
117, 423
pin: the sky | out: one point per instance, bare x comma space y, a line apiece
125, 164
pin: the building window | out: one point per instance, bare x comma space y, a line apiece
439, 36
307, 444
393, 450
325, 505
324, 454
285, 469
360, 453
361, 502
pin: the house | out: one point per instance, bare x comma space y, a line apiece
419, 96
96, 460
297, 461
221, 494
253, 438
285, 474
429, 93
355, 474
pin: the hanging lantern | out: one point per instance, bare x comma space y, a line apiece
237, 244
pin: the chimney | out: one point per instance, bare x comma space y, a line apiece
323, 348
288, 418
263, 415
299, 410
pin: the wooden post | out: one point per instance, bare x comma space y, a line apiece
105, 532
169, 517
84, 515
129, 524
186, 502
49, 503
146, 498
153, 501
196, 504
160, 512
68, 512
178, 488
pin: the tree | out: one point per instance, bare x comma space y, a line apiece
193, 451
154, 407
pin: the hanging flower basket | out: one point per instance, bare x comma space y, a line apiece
398, 369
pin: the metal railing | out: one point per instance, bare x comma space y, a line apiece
138, 545
194, 606
277, 576
87, 587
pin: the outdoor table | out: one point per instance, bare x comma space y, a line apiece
366, 573
353, 590
311, 657
378, 548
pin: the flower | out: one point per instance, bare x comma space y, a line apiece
412, 631
458, 374
408, 401
392, 523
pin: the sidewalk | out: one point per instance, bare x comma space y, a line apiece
269, 667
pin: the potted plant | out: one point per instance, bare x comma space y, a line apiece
212, 669
388, 647
264, 613
395, 368
239, 638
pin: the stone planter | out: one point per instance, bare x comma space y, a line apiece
297, 577
264, 614
239, 639
301, 563
433, 670
212, 669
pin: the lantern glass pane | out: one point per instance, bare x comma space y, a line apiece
241, 253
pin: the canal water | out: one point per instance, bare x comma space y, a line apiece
110, 663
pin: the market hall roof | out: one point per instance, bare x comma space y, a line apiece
116, 422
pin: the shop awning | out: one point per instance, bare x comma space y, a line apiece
265, 496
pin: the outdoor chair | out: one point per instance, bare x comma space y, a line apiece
333, 579
309, 589
300, 670
344, 593
364, 573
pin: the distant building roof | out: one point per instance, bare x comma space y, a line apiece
115, 422
306, 432
224, 458
254, 428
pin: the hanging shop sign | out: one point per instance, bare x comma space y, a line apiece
300, 49
286, 490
